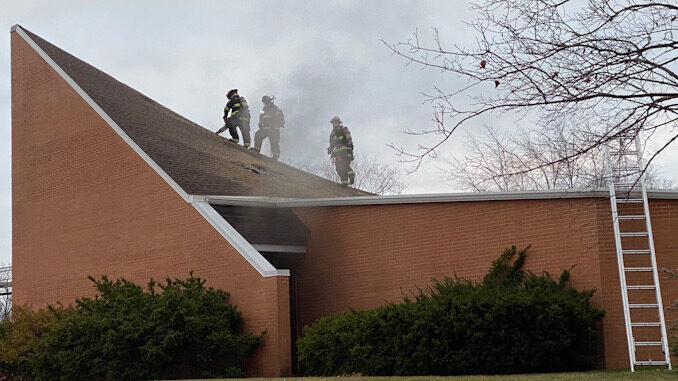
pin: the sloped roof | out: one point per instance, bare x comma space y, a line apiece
198, 160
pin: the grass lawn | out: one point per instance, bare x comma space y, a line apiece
641, 375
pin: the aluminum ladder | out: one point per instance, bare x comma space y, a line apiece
636, 258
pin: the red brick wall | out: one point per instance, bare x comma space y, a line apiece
84, 203
365, 256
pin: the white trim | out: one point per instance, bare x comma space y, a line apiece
270, 202
13, 28
101, 113
279, 248
238, 241
665, 194
274, 202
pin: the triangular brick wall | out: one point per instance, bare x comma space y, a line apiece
84, 203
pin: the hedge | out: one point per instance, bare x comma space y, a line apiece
177, 329
511, 322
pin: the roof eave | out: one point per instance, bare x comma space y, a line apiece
276, 202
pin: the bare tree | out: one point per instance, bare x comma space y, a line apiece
600, 69
501, 161
498, 160
372, 175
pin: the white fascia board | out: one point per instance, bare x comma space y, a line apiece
665, 194
102, 114
274, 202
271, 202
279, 248
401, 199
13, 28
238, 241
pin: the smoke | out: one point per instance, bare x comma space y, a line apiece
316, 91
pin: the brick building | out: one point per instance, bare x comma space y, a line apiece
107, 181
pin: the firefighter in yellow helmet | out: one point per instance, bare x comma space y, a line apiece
341, 151
240, 117
271, 120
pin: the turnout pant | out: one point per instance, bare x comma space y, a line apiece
342, 164
244, 124
273, 135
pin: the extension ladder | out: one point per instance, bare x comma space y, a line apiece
636, 260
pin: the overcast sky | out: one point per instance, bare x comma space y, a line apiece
319, 58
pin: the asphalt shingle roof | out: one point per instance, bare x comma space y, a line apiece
200, 161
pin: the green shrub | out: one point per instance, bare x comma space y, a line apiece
178, 329
20, 333
511, 322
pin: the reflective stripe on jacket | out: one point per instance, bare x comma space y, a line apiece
340, 141
238, 106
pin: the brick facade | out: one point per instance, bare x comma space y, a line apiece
364, 256
84, 203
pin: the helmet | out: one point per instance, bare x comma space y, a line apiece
267, 99
231, 92
335, 120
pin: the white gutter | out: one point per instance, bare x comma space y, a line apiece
276, 202
219, 223
279, 248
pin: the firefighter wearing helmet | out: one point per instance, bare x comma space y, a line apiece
239, 117
271, 120
341, 151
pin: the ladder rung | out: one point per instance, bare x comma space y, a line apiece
643, 305
641, 287
648, 343
630, 217
645, 251
625, 185
650, 324
650, 363
638, 269
633, 234
629, 200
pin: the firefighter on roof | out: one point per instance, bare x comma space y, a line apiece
341, 151
240, 117
271, 120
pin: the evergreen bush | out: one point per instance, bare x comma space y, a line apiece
176, 329
511, 322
